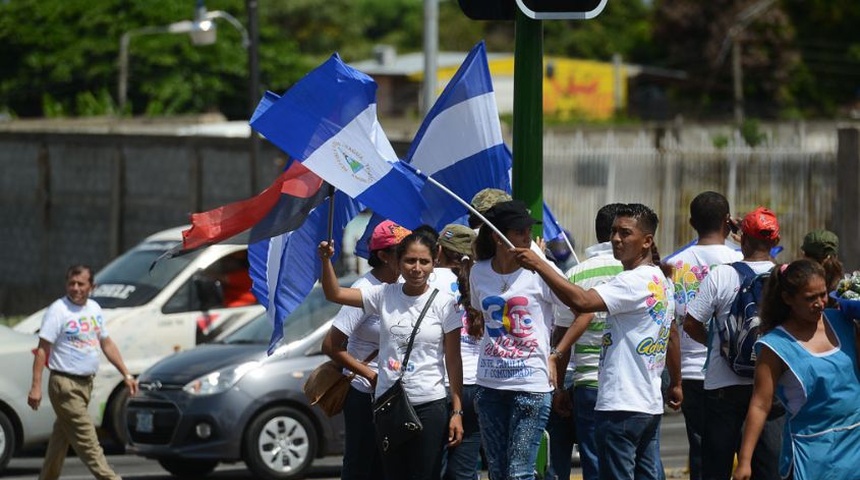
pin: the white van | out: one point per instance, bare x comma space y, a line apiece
154, 311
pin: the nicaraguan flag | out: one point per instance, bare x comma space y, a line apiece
552, 230
328, 122
285, 268
460, 145
460, 142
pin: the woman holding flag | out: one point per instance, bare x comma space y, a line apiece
399, 307
515, 382
353, 342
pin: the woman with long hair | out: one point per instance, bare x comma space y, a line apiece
806, 357
516, 311
353, 342
455, 254
399, 307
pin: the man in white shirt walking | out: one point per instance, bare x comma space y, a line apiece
727, 395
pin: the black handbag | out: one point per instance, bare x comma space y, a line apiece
393, 415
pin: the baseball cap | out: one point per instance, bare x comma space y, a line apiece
457, 238
486, 198
820, 243
387, 234
761, 223
511, 215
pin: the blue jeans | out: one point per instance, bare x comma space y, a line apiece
585, 398
627, 445
421, 457
726, 411
464, 461
512, 425
562, 436
361, 459
694, 412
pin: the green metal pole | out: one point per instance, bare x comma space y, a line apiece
528, 115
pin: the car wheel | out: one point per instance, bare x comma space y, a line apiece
185, 468
117, 410
280, 444
7, 441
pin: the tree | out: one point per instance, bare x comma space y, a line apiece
693, 34
829, 44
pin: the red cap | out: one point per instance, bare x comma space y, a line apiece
387, 234
761, 223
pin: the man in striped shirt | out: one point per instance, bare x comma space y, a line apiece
599, 266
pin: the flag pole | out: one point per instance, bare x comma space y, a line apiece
469, 207
569, 245
330, 231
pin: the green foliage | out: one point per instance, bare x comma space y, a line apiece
623, 27
800, 58
751, 132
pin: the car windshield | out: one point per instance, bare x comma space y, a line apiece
128, 280
310, 315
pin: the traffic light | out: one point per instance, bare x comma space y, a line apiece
536, 9
561, 9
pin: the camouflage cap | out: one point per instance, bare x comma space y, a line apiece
486, 198
820, 244
457, 238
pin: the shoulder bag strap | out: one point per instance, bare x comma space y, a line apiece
370, 357
415, 328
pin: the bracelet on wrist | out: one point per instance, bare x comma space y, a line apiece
554, 351
457, 412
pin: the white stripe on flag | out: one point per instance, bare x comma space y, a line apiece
354, 159
273, 267
459, 132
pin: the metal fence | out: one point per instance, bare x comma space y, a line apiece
794, 174
85, 198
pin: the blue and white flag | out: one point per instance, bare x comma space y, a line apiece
460, 145
328, 121
460, 142
285, 268
552, 230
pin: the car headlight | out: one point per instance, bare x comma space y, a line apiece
219, 380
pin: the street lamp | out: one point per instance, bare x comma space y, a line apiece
202, 31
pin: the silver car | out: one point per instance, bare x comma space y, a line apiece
20, 426
228, 402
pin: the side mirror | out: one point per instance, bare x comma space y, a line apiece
209, 292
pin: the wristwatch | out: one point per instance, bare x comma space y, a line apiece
456, 412
554, 351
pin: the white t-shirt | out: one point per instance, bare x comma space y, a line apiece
599, 266
691, 266
363, 333
75, 333
445, 280
716, 294
398, 312
641, 309
514, 350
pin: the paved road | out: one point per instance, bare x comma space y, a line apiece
673, 449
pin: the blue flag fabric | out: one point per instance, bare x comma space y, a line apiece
460, 145
285, 268
551, 228
327, 120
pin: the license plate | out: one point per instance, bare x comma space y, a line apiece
144, 422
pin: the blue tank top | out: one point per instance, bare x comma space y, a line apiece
822, 436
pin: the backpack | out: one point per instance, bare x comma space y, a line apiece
739, 332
